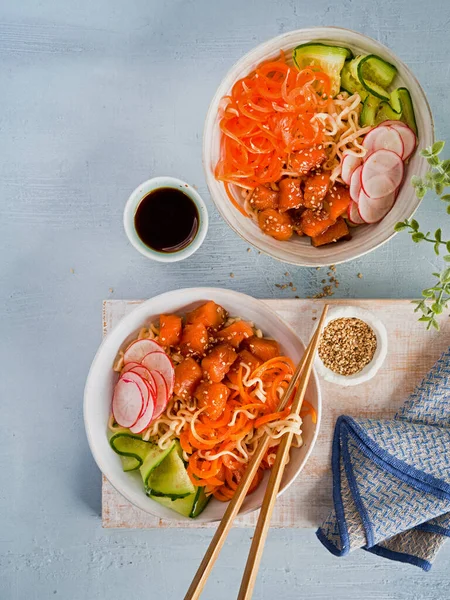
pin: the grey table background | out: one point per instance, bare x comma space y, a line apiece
97, 96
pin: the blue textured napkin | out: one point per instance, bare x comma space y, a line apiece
391, 478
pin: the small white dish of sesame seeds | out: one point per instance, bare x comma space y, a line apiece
353, 347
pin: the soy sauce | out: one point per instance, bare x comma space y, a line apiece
166, 220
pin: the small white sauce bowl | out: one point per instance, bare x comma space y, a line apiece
370, 370
135, 199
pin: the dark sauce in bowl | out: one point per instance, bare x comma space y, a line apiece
166, 220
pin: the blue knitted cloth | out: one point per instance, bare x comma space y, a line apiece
391, 478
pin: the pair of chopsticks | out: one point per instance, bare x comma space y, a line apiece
301, 376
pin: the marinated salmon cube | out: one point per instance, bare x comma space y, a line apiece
337, 201
244, 357
170, 327
263, 197
316, 188
218, 362
188, 375
276, 224
296, 218
213, 397
210, 314
235, 333
334, 233
262, 347
291, 195
315, 222
304, 161
194, 340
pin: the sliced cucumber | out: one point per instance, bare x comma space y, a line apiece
350, 84
401, 98
376, 70
330, 59
385, 112
170, 478
131, 448
153, 460
200, 502
369, 110
190, 506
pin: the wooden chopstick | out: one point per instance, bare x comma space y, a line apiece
215, 546
276, 474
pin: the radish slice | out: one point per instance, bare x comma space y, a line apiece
162, 397
408, 136
129, 367
159, 361
145, 419
127, 403
146, 376
372, 210
355, 184
353, 214
382, 173
142, 385
383, 138
138, 349
348, 166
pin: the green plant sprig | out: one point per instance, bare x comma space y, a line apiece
436, 298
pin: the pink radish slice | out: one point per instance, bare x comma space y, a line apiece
348, 166
372, 210
129, 367
383, 138
145, 419
355, 184
159, 361
408, 136
142, 385
162, 397
146, 376
353, 214
127, 403
138, 349
382, 173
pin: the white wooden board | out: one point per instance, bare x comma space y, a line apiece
412, 352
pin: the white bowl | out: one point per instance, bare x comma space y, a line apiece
101, 380
299, 251
130, 210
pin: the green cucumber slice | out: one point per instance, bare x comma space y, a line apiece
200, 502
350, 84
369, 110
131, 448
330, 59
372, 68
190, 506
385, 112
153, 460
401, 98
170, 478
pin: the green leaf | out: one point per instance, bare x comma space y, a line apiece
436, 308
414, 225
445, 275
438, 234
435, 324
446, 197
446, 165
417, 237
400, 226
421, 191
439, 188
426, 152
447, 258
437, 147
416, 181
448, 210
433, 161
438, 177
424, 318
428, 293
436, 248
447, 245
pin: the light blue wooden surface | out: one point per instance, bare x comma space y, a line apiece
97, 96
